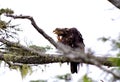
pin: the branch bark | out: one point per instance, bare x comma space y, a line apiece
54, 58
37, 57
36, 27
49, 58
116, 3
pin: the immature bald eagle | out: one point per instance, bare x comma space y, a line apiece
73, 38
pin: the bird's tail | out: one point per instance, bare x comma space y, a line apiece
74, 67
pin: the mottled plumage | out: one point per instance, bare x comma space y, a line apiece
73, 38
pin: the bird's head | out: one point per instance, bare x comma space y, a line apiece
61, 31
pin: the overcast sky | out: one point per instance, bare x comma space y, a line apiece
93, 18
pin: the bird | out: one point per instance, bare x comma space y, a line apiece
72, 38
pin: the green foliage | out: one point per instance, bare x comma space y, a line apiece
115, 43
86, 79
19, 51
6, 11
104, 39
40, 48
0, 62
7, 30
14, 67
3, 25
64, 77
38, 81
118, 54
116, 61
25, 70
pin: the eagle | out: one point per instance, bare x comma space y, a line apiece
72, 38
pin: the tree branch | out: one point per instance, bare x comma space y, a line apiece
41, 58
116, 3
79, 57
36, 27
39, 30
52, 58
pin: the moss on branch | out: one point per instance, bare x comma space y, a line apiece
34, 59
106, 61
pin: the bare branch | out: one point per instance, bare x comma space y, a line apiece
40, 58
79, 57
104, 60
116, 3
50, 58
36, 27
39, 30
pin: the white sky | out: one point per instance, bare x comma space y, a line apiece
93, 18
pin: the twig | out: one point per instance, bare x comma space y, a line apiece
36, 27
83, 56
116, 3
54, 58
39, 30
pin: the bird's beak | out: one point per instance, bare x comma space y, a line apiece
58, 32
54, 31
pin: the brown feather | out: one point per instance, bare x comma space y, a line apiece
73, 38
